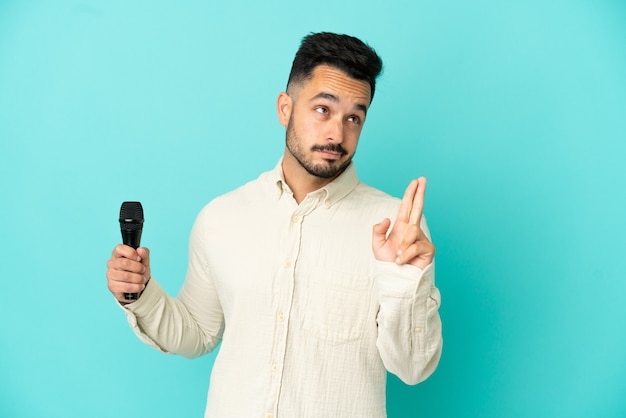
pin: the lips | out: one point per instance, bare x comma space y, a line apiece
330, 151
329, 155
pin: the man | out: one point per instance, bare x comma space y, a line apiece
299, 274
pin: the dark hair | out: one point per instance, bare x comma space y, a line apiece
346, 53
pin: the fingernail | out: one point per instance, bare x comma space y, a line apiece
399, 252
138, 258
398, 260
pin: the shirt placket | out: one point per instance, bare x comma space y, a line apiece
287, 277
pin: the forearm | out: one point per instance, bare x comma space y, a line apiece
169, 325
409, 327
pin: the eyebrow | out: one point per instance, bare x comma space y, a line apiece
333, 98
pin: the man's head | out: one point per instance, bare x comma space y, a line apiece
330, 89
343, 52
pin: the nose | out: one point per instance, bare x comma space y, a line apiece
335, 131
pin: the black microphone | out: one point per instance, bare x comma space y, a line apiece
131, 224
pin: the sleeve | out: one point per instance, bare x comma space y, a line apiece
191, 324
409, 327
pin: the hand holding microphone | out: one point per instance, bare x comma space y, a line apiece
128, 269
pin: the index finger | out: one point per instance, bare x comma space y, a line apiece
417, 206
125, 251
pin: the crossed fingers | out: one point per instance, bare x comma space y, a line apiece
414, 247
412, 204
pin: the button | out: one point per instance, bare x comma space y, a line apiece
281, 317
268, 415
418, 329
287, 264
295, 218
327, 202
274, 367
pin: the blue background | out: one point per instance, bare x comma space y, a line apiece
515, 111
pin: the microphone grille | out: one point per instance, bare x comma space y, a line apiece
131, 213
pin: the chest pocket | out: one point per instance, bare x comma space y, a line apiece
337, 307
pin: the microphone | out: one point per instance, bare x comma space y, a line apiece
131, 224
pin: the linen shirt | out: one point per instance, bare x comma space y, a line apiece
309, 321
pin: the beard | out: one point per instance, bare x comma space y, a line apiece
326, 170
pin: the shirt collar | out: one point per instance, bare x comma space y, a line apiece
331, 193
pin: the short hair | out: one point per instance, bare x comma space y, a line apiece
343, 52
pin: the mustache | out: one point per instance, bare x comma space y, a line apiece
330, 147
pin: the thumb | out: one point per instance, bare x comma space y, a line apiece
379, 233
144, 254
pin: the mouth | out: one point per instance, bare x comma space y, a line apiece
329, 155
330, 152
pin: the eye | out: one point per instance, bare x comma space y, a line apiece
355, 119
322, 109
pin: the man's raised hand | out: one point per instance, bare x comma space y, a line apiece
406, 243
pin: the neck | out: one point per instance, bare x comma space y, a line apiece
300, 181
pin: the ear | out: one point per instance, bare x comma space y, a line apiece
284, 106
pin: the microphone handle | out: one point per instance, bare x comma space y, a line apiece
132, 239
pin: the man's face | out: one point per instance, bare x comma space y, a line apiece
324, 121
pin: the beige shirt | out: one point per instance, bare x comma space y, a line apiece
309, 321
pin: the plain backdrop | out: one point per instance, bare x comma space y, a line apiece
515, 111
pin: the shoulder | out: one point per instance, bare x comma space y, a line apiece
245, 198
370, 204
369, 195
